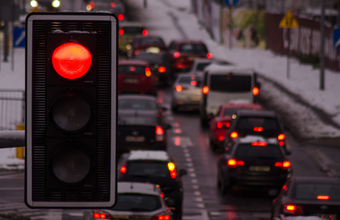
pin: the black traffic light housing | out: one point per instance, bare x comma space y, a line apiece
71, 110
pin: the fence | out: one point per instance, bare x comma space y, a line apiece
12, 109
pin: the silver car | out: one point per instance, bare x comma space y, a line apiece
186, 92
134, 201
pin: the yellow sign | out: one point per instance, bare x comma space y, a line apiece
35, 9
289, 21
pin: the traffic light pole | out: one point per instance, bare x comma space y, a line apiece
322, 47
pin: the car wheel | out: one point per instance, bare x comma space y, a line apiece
212, 146
224, 189
204, 123
178, 213
174, 108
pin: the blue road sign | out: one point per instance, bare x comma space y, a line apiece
336, 38
19, 38
230, 2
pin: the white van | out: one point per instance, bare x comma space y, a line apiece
223, 84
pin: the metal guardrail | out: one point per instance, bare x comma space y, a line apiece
12, 108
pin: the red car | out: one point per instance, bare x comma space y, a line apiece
219, 124
135, 76
150, 44
184, 52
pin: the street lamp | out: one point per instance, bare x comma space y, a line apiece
34, 3
56, 3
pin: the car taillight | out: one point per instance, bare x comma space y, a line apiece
220, 124
259, 144
172, 170
256, 91
281, 137
209, 55
159, 133
161, 216
234, 134
283, 165
234, 163
161, 69
205, 90
147, 71
113, 4
121, 31
122, 170
323, 197
281, 143
179, 88
292, 209
221, 138
101, 215
136, 52
177, 54
162, 194
145, 32
258, 129
193, 83
120, 17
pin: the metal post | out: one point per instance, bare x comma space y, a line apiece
288, 52
6, 46
145, 4
230, 27
221, 21
322, 46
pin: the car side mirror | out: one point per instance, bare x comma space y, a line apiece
168, 126
182, 172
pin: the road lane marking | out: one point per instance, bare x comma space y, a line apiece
205, 215
177, 130
182, 141
192, 174
192, 170
199, 199
194, 180
197, 193
189, 164
200, 205
187, 155
188, 159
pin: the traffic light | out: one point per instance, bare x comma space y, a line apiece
71, 99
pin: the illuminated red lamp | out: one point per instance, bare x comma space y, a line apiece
71, 60
162, 69
205, 90
145, 32
121, 31
159, 130
233, 162
120, 17
281, 137
113, 4
177, 54
256, 91
323, 197
221, 138
209, 55
123, 169
193, 83
258, 129
234, 134
179, 88
132, 68
259, 144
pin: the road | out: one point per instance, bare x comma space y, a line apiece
188, 145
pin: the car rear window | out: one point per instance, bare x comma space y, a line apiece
229, 111
230, 83
134, 69
151, 58
147, 169
133, 30
188, 80
193, 48
136, 104
201, 66
311, 191
137, 203
262, 152
151, 41
248, 124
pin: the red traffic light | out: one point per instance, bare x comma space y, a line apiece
71, 60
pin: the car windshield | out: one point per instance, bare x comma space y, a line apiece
132, 69
263, 152
136, 104
133, 30
311, 191
193, 48
137, 203
230, 83
151, 41
259, 124
148, 169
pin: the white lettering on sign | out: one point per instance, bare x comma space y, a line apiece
20, 38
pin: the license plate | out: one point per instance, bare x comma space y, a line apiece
259, 168
192, 58
131, 80
195, 98
135, 138
153, 50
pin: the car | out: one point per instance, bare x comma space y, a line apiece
260, 122
220, 123
136, 200
115, 7
141, 124
200, 63
305, 196
160, 65
149, 43
127, 31
225, 83
253, 161
186, 92
135, 76
184, 52
155, 167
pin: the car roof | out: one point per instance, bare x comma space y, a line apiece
257, 113
218, 69
256, 138
129, 96
130, 24
203, 60
148, 155
241, 105
189, 42
133, 62
135, 187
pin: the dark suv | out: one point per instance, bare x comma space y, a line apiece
253, 161
260, 122
158, 168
